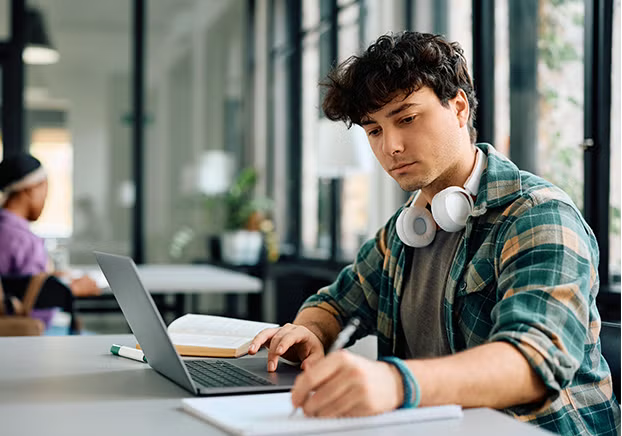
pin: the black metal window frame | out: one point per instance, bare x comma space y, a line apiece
597, 126
12, 116
484, 68
139, 53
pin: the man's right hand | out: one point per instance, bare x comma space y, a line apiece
293, 342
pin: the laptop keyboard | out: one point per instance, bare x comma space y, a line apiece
219, 373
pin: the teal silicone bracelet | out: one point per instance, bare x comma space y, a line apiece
412, 391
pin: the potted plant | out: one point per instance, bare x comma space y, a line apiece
241, 242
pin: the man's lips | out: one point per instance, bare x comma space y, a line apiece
401, 166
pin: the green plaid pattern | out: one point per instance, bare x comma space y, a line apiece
524, 273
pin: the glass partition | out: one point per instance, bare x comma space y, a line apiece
77, 122
195, 85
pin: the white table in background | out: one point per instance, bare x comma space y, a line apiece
72, 385
183, 280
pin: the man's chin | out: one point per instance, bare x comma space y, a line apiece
34, 217
410, 186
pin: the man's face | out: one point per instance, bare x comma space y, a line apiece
417, 140
37, 195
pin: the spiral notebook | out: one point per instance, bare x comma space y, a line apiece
268, 414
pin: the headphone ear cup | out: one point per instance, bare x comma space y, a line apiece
415, 226
399, 225
451, 208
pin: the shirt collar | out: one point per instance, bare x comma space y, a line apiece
13, 220
500, 183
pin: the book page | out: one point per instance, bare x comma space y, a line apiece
219, 325
268, 414
211, 341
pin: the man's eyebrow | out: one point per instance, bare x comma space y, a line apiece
368, 121
390, 114
400, 109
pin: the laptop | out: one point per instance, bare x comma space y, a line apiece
200, 376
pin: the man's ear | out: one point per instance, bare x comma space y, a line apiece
461, 107
27, 191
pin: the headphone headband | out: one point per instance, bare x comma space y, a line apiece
472, 183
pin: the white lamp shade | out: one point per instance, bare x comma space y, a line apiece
38, 48
127, 194
39, 55
342, 151
215, 173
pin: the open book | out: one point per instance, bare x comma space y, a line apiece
213, 336
268, 414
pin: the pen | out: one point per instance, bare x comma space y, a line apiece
342, 339
130, 353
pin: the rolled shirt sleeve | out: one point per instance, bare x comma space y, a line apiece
547, 280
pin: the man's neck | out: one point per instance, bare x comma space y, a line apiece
17, 208
457, 175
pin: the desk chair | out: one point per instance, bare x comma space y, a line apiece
610, 347
19, 296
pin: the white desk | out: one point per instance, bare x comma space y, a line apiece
73, 386
184, 280
175, 278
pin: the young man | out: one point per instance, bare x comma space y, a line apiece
23, 190
496, 309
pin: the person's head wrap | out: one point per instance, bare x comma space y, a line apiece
18, 172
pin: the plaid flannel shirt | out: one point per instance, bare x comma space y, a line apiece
525, 272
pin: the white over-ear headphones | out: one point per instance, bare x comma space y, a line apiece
451, 207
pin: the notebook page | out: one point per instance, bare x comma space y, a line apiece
220, 325
268, 414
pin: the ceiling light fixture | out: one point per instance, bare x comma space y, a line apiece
38, 49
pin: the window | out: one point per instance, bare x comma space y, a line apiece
460, 14
280, 108
52, 146
315, 236
539, 89
502, 78
560, 90
310, 14
355, 192
323, 175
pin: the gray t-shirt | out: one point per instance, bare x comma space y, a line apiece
421, 307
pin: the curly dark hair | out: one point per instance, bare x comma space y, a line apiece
402, 62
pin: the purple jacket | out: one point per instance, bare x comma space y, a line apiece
21, 251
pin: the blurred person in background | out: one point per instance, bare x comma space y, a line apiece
23, 190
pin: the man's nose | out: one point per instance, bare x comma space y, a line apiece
392, 143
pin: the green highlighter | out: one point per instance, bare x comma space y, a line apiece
130, 353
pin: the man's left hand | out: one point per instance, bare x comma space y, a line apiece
84, 287
347, 385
